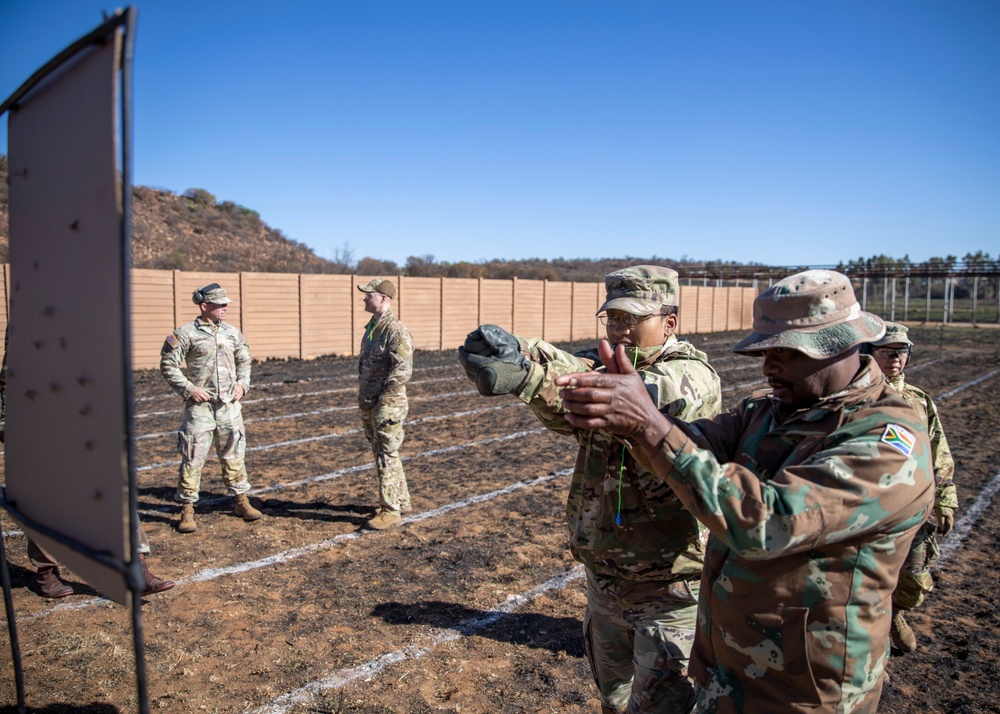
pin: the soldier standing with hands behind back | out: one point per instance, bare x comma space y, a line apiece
217, 378
384, 368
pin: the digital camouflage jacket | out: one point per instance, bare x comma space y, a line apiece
386, 362
217, 357
945, 496
811, 515
657, 538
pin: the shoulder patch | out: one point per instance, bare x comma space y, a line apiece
169, 344
171, 340
899, 438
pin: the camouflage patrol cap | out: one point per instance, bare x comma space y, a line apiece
378, 285
814, 312
894, 334
641, 289
213, 293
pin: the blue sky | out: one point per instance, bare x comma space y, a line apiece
785, 133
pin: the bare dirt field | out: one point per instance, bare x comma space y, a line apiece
473, 604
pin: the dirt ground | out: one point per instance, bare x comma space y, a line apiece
473, 604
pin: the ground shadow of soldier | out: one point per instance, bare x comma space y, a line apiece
318, 510
557, 634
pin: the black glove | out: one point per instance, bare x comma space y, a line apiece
492, 358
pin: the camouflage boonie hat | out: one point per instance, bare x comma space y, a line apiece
894, 334
814, 312
378, 285
213, 293
641, 289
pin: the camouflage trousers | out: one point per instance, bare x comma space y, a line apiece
639, 637
41, 558
206, 424
915, 579
384, 431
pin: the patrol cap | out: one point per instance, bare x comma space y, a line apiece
213, 293
894, 334
378, 285
814, 312
641, 289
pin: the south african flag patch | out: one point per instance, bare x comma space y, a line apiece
899, 438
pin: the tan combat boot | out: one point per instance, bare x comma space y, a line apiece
187, 524
244, 510
49, 584
901, 637
385, 519
153, 584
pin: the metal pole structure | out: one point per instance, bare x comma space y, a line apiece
975, 297
944, 308
927, 312
906, 299
864, 293
885, 293
893, 302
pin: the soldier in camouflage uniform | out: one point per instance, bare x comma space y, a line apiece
216, 379
384, 368
892, 353
812, 492
643, 550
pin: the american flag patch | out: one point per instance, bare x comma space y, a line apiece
171, 340
899, 438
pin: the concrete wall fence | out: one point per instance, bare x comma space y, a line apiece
288, 315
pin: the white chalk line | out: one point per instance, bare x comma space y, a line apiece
953, 541
294, 553
425, 644
339, 434
316, 412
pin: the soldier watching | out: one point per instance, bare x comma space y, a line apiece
812, 493
892, 353
384, 368
216, 379
643, 551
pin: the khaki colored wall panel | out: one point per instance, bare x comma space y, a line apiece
558, 311
420, 311
687, 323
271, 314
748, 297
152, 313
587, 297
327, 321
734, 308
720, 309
459, 310
496, 303
705, 306
529, 301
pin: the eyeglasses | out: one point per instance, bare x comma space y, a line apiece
611, 319
892, 352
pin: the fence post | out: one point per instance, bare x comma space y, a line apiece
441, 311
302, 322
513, 304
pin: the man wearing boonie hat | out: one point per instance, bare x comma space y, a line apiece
643, 551
216, 379
892, 353
384, 368
812, 493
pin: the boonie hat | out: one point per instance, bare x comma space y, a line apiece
213, 293
814, 312
641, 289
378, 285
894, 334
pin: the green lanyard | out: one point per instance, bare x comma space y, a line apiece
621, 468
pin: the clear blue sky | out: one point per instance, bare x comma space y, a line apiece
787, 133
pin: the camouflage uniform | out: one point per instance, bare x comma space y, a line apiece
642, 549
811, 513
218, 359
384, 368
915, 579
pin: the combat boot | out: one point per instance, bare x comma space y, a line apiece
385, 519
187, 524
49, 584
153, 584
901, 636
244, 510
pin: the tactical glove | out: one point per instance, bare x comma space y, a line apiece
945, 520
492, 358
